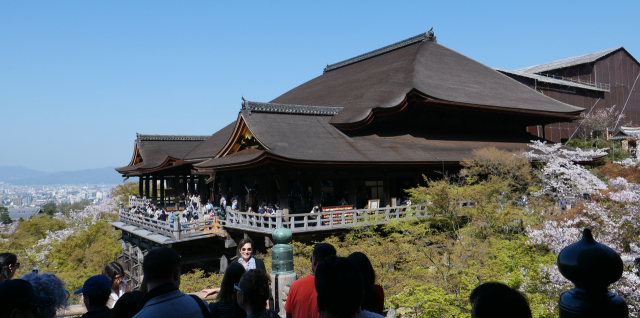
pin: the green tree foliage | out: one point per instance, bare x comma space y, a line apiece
125, 191
49, 209
4, 208
198, 280
84, 254
5, 218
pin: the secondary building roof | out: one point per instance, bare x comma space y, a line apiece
383, 79
576, 60
156, 151
550, 80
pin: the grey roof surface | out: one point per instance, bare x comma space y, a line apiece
156, 149
210, 147
15, 213
576, 60
313, 138
384, 80
550, 80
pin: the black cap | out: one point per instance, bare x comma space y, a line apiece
18, 293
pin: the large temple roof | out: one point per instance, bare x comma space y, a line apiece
383, 78
312, 139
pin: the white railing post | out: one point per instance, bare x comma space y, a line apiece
176, 227
279, 217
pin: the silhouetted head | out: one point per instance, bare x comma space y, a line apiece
232, 276
497, 300
254, 291
8, 266
48, 285
363, 264
339, 287
320, 252
161, 265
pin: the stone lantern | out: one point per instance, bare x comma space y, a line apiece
591, 267
282, 274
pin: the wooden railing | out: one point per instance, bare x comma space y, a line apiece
319, 221
304, 222
176, 230
139, 202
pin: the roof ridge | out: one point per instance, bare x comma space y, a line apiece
146, 137
260, 107
590, 58
427, 36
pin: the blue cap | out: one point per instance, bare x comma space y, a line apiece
95, 285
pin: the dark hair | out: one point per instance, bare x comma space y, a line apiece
111, 270
160, 263
126, 305
255, 287
6, 259
497, 300
242, 243
232, 275
361, 261
323, 250
339, 286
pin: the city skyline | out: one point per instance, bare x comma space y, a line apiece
85, 77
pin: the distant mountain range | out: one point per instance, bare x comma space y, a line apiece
24, 176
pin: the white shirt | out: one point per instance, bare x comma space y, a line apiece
122, 287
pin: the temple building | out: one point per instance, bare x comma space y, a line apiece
592, 81
366, 129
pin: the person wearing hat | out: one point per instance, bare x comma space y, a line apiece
95, 293
19, 300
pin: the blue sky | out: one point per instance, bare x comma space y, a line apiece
78, 79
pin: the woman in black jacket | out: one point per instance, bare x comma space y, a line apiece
245, 256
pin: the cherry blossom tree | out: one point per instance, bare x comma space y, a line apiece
561, 175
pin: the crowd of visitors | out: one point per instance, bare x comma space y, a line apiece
343, 287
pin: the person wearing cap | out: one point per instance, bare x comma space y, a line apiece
19, 300
95, 293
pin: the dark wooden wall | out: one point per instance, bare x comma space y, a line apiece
619, 70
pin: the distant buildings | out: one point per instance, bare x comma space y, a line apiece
36, 196
15, 213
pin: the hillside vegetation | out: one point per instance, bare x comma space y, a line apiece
427, 267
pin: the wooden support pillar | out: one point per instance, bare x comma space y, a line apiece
386, 189
202, 189
154, 190
317, 194
192, 185
353, 189
140, 182
146, 187
283, 194
162, 191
